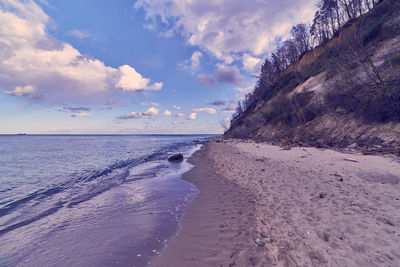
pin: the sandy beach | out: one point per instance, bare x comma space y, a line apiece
262, 205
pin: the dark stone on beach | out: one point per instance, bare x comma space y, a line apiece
263, 235
340, 178
218, 141
259, 242
326, 237
322, 195
367, 152
176, 158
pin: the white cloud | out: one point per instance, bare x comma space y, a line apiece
205, 110
151, 112
179, 115
176, 107
251, 64
28, 91
195, 60
81, 114
243, 90
78, 34
150, 104
131, 80
167, 112
132, 115
193, 63
229, 28
192, 116
34, 64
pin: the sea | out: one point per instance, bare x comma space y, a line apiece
91, 200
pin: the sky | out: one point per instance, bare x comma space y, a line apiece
134, 67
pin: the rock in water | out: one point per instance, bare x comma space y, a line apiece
176, 158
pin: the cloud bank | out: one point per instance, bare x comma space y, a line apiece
33, 64
229, 28
230, 75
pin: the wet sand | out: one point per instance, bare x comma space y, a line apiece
261, 205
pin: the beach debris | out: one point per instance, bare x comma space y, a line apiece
320, 143
326, 237
350, 159
322, 195
139, 255
286, 148
352, 146
259, 242
367, 152
176, 158
263, 235
385, 221
340, 178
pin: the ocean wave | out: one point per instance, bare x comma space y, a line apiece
77, 189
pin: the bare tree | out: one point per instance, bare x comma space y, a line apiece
301, 37
223, 124
239, 109
357, 53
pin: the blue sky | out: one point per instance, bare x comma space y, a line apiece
145, 66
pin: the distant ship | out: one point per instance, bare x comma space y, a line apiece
21, 133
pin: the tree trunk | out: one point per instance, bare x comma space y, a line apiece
367, 3
333, 25
347, 10
337, 14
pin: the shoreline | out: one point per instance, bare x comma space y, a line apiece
261, 205
219, 203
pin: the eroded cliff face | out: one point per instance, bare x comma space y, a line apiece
351, 96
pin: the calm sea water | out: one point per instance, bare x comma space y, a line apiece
101, 200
